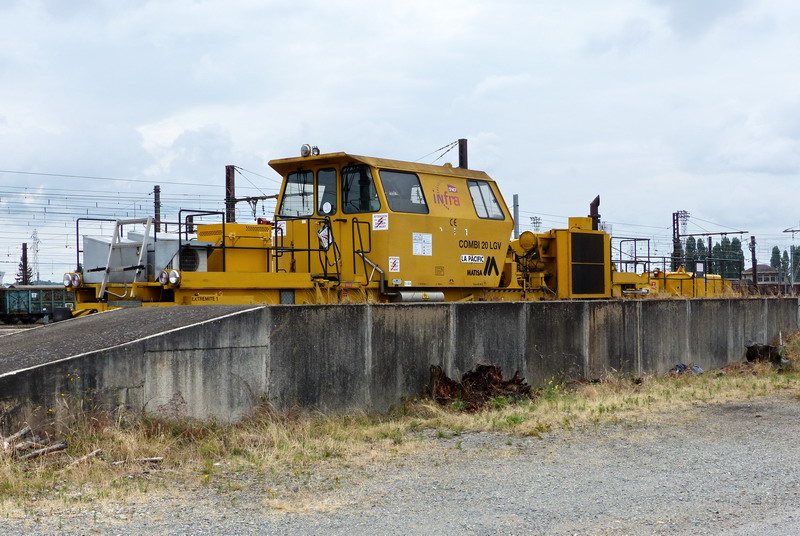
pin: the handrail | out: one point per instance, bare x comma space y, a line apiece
665, 260
382, 279
361, 252
327, 225
78, 249
356, 231
281, 249
185, 229
115, 240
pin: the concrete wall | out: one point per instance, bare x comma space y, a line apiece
346, 357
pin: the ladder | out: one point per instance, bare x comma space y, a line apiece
116, 244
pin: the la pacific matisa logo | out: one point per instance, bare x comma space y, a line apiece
446, 195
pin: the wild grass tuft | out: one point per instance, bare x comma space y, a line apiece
297, 444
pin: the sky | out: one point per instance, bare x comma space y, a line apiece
655, 105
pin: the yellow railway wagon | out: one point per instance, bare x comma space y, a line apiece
681, 283
355, 229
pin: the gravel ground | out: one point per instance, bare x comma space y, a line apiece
727, 469
7, 329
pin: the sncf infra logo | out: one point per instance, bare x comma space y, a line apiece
446, 195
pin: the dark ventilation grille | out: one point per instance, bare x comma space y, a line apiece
190, 260
588, 266
587, 248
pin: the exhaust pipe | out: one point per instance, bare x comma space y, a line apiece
462, 153
594, 213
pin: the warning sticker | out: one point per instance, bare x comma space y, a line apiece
423, 244
280, 229
380, 222
394, 264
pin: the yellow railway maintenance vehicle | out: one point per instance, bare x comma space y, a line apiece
683, 284
355, 229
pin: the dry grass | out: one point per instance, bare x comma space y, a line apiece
315, 449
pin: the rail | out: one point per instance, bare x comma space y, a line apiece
328, 242
626, 261
358, 246
78, 250
323, 232
186, 226
362, 253
115, 242
729, 269
321, 229
381, 276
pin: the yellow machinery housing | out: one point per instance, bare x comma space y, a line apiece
681, 283
354, 229
564, 263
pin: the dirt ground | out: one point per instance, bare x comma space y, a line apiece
727, 469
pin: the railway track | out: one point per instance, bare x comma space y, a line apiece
8, 329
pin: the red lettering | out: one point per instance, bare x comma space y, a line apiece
446, 200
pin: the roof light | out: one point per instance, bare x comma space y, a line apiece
305, 150
315, 151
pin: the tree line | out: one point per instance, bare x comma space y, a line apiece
725, 258
786, 263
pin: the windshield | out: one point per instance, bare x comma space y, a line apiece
298, 196
358, 190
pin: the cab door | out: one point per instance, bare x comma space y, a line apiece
293, 224
325, 218
327, 226
360, 211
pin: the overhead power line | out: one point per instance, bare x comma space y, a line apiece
712, 223
240, 169
118, 179
445, 148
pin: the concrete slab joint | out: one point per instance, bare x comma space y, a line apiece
340, 358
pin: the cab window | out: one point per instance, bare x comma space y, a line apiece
486, 205
298, 195
358, 190
326, 192
403, 191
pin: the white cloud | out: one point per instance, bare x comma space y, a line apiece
638, 100
691, 19
499, 85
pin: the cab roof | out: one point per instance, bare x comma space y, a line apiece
287, 165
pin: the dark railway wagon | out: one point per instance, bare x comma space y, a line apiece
29, 303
